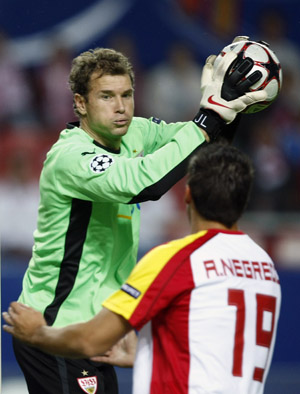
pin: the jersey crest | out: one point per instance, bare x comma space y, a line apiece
88, 385
101, 163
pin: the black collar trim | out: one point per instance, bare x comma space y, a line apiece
106, 148
72, 125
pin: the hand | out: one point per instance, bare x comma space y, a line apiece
23, 322
214, 79
122, 354
234, 85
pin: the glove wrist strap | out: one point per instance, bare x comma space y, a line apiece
210, 122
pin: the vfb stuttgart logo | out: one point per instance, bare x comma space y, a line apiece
101, 163
88, 385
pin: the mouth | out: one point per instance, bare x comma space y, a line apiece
121, 122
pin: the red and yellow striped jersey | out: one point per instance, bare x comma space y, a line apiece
207, 307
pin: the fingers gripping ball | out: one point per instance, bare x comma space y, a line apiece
215, 78
266, 73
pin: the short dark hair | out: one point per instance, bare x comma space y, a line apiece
103, 60
220, 178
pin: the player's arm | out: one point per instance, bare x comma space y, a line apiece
127, 180
122, 354
81, 340
134, 180
157, 133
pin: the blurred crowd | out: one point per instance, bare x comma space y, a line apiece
36, 103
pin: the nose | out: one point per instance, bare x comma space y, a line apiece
119, 104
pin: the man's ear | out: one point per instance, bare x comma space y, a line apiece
80, 103
187, 195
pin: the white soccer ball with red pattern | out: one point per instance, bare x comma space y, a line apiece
266, 62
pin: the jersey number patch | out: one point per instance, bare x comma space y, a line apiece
264, 303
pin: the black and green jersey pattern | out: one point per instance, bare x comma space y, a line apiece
86, 240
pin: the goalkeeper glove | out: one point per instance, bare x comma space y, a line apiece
224, 93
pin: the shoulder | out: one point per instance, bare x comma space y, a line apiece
139, 122
142, 132
73, 147
73, 139
175, 249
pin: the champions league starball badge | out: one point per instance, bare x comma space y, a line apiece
101, 163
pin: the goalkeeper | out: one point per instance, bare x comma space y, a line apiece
92, 182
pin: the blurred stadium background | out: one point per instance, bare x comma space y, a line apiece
168, 42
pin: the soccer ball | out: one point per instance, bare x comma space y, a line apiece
265, 61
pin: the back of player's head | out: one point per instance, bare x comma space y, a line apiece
220, 178
103, 61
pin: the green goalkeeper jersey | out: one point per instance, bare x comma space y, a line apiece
86, 240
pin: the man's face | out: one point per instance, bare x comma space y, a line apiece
108, 111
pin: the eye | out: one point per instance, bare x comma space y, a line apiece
128, 95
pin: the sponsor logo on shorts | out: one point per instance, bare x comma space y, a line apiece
88, 385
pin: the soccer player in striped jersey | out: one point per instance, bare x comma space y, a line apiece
206, 306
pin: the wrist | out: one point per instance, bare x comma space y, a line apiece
209, 122
37, 337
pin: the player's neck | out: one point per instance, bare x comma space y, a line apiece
111, 143
200, 224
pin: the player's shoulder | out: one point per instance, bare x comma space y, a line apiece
175, 246
254, 245
71, 137
75, 152
140, 132
74, 141
171, 254
141, 122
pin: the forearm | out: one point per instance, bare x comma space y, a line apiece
70, 341
80, 340
122, 354
162, 133
83, 340
160, 171
159, 188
